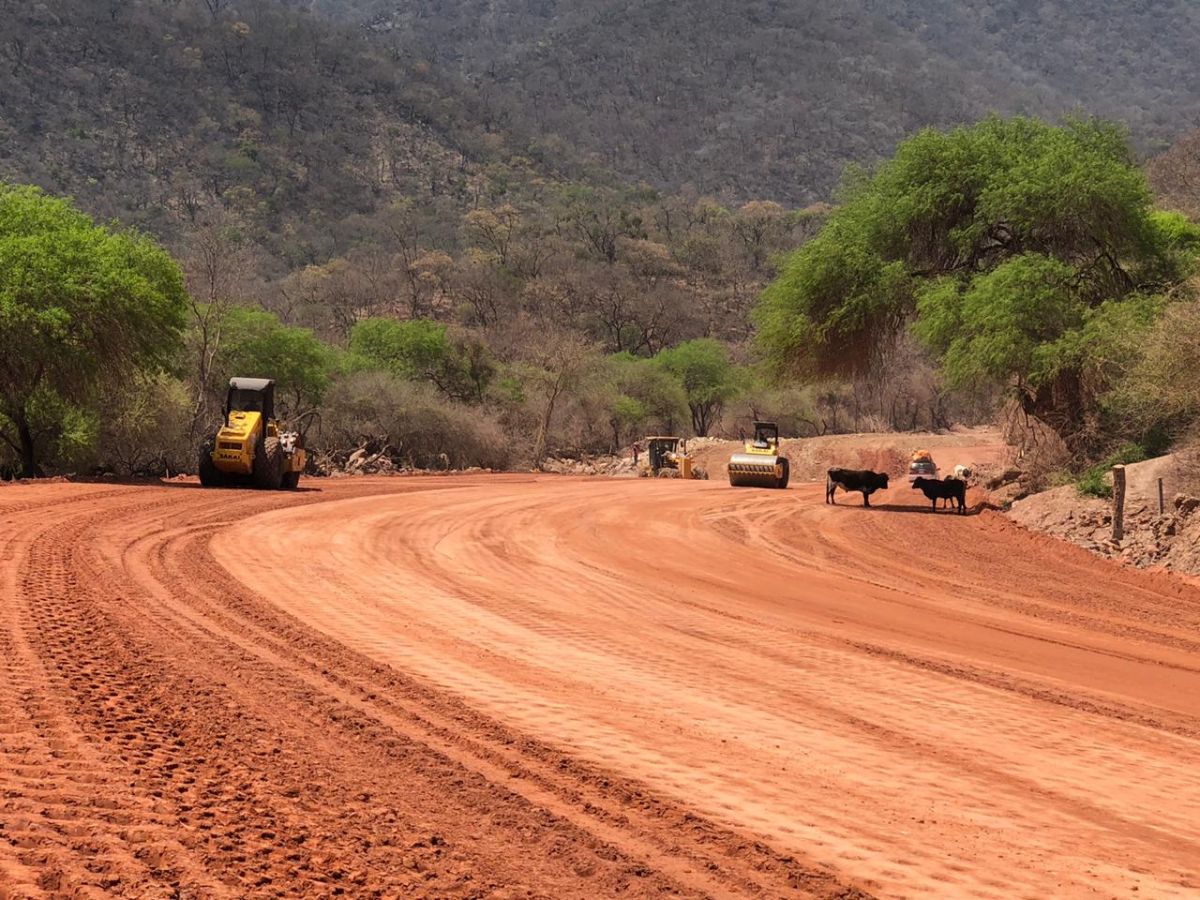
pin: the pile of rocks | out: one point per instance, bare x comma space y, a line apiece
1004, 486
615, 466
381, 461
362, 461
1170, 540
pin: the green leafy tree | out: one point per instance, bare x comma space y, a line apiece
82, 308
642, 395
410, 349
1011, 246
458, 364
709, 378
254, 343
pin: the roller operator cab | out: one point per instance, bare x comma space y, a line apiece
249, 448
759, 464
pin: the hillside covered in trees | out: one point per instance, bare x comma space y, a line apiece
772, 99
163, 114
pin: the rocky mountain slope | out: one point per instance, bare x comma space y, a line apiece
161, 113
764, 98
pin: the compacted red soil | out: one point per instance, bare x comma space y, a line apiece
515, 686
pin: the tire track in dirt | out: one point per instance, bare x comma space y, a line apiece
69, 823
290, 766
627, 816
1154, 602
510, 686
711, 621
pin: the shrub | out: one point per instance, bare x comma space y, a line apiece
411, 422
1095, 483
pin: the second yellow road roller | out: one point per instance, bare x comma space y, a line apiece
759, 464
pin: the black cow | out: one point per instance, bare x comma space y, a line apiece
952, 490
854, 480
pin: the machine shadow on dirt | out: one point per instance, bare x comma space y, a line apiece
196, 486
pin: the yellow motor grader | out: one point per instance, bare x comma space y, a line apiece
759, 464
249, 448
667, 457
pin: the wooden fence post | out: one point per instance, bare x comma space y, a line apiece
1118, 515
1162, 506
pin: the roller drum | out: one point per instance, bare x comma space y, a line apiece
758, 470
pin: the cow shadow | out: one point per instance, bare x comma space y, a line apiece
972, 510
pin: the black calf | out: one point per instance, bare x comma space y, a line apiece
949, 489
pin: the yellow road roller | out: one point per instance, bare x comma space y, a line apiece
250, 448
759, 464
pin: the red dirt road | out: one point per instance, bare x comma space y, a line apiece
509, 686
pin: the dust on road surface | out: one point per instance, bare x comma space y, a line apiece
515, 686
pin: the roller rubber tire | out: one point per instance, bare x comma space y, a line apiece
267, 469
787, 473
210, 475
